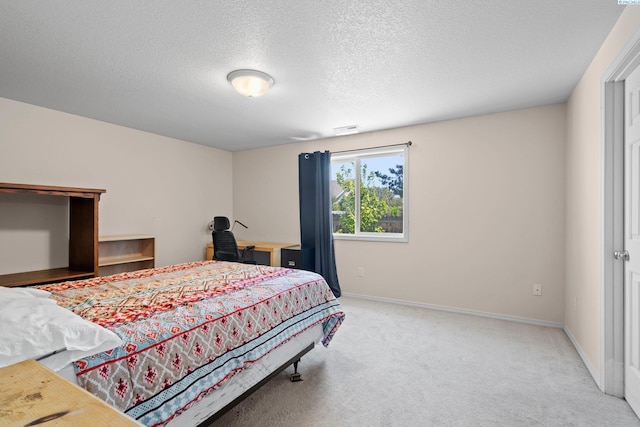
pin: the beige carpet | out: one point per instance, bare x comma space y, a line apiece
393, 365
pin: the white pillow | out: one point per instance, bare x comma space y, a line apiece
34, 327
22, 293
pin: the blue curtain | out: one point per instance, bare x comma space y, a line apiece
316, 231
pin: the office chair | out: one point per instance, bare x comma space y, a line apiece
225, 247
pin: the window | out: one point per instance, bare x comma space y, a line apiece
368, 194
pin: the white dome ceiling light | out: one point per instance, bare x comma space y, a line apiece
250, 83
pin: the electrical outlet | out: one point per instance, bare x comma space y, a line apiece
537, 289
360, 271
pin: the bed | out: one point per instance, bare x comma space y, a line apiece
193, 338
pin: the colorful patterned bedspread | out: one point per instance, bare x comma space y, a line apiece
189, 327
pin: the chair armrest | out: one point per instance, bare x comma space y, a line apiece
247, 251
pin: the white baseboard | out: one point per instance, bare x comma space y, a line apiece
584, 358
459, 310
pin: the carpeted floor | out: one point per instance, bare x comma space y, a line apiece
394, 365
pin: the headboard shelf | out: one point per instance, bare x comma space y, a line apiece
43, 276
83, 235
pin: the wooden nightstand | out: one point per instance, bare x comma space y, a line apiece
31, 394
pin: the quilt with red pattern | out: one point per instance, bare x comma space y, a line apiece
187, 328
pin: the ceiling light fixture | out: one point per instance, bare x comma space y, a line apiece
251, 83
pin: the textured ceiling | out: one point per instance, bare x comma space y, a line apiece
161, 65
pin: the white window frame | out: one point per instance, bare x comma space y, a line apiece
356, 156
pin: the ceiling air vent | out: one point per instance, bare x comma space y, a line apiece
346, 130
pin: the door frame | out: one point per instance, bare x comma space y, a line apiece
612, 278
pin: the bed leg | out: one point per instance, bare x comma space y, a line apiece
295, 377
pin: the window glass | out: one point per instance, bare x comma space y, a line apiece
343, 186
368, 194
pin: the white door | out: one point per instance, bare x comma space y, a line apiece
632, 240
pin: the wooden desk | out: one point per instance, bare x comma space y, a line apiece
267, 253
30, 392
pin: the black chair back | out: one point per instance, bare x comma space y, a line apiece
225, 246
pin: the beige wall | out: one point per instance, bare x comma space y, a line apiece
486, 208
584, 196
155, 185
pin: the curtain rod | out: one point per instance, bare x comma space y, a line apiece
408, 144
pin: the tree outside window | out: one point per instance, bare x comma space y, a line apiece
368, 194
